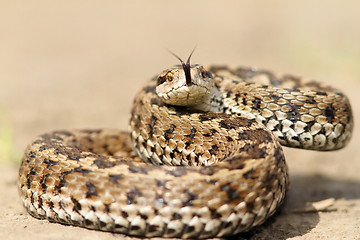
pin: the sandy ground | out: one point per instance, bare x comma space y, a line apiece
77, 64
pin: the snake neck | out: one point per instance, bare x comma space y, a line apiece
212, 102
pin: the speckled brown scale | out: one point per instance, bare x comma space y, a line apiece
284, 110
228, 171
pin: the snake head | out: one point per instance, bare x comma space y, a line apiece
185, 85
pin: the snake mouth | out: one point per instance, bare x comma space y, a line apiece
186, 67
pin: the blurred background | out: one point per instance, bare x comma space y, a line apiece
78, 64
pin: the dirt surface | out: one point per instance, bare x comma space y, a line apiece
78, 64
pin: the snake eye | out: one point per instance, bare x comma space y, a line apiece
205, 74
168, 77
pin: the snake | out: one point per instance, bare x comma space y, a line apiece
203, 157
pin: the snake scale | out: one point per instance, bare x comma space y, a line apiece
213, 137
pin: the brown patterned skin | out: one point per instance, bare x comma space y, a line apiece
233, 174
301, 113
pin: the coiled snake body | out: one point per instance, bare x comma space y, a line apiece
226, 136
